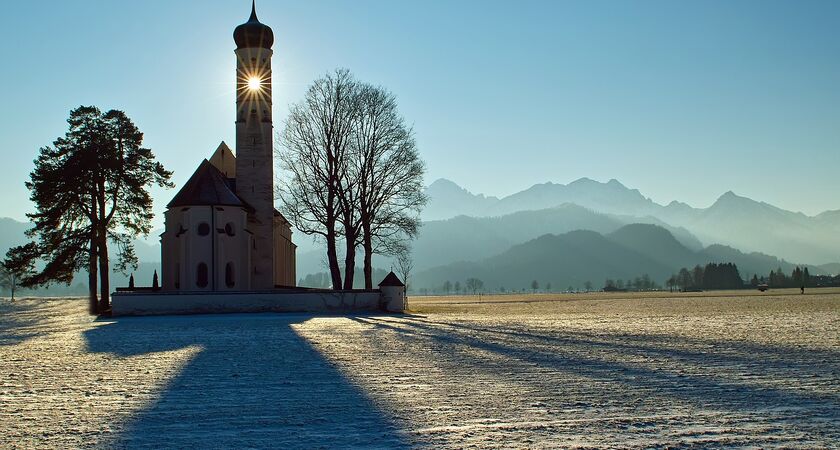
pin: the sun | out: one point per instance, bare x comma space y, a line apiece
254, 84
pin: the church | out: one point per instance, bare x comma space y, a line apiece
225, 248
222, 231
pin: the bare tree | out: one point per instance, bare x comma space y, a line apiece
474, 284
404, 265
16, 267
314, 151
389, 174
353, 163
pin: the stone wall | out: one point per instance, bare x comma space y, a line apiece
319, 301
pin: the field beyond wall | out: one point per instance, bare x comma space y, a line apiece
620, 370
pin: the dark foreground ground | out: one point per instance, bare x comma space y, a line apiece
626, 370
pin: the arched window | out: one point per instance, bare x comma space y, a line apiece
177, 275
203, 229
229, 229
201, 275
230, 281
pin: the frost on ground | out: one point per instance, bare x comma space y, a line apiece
538, 371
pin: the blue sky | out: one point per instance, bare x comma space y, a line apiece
682, 100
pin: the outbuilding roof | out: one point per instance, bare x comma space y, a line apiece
207, 186
391, 280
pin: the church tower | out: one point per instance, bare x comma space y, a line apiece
254, 143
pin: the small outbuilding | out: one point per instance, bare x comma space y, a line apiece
393, 293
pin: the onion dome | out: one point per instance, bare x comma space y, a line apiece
253, 33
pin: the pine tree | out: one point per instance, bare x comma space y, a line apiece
89, 189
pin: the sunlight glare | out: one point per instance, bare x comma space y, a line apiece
254, 83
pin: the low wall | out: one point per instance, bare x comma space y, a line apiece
140, 303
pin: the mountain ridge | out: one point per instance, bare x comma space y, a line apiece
733, 220
572, 258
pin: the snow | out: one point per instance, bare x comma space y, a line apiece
563, 371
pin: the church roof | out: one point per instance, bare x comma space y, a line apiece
391, 280
207, 186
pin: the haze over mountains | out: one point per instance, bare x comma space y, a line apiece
736, 221
568, 234
574, 257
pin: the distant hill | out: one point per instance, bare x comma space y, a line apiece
568, 259
656, 243
732, 220
465, 238
831, 269
572, 258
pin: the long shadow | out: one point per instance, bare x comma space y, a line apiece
779, 359
597, 360
255, 383
20, 320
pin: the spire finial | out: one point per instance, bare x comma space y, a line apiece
253, 11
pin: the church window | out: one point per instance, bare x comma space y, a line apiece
203, 229
229, 230
201, 275
229, 277
177, 276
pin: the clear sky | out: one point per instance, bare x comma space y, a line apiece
682, 100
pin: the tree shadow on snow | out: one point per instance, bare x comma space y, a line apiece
23, 319
703, 372
255, 383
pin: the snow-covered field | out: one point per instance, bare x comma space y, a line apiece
703, 370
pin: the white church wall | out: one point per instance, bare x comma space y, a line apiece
172, 251
197, 249
232, 241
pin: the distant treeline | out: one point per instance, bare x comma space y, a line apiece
713, 276
642, 283
799, 277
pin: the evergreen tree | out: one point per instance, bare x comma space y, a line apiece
697, 276
89, 189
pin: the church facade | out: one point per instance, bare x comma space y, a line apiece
222, 231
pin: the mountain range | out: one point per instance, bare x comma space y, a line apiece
733, 220
575, 257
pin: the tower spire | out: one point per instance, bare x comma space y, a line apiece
253, 11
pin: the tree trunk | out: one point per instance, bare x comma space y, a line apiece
102, 238
92, 275
349, 259
332, 257
104, 279
368, 246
